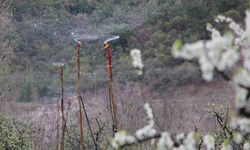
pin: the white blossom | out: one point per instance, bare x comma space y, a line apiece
207, 68
242, 77
209, 142
122, 138
136, 57
226, 146
180, 136
244, 125
190, 51
228, 59
241, 95
147, 131
165, 142
210, 53
221, 52
234, 123
246, 146
237, 137
214, 33
213, 49
232, 24
220, 18
189, 142
242, 34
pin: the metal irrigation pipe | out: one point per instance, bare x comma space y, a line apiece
79, 44
61, 66
78, 47
109, 69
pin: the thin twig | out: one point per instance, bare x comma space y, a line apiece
17, 128
88, 122
99, 131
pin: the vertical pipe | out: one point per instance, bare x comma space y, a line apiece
79, 95
57, 126
79, 44
62, 108
111, 96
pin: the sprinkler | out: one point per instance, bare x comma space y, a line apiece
78, 47
109, 69
79, 41
80, 100
61, 66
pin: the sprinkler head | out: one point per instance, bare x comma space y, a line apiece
79, 41
106, 45
106, 42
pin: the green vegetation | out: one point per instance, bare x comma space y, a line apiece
14, 135
39, 32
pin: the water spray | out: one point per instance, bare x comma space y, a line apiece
61, 66
109, 69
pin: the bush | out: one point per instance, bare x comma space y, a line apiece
234, 14
225, 5
13, 135
77, 7
43, 88
159, 36
163, 58
179, 22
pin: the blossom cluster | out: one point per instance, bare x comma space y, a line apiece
137, 60
122, 138
147, 131
166, 142
220, 53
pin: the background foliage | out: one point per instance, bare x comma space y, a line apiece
35, 33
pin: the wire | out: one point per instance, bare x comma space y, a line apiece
88, 122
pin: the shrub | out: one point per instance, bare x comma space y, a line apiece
14, 135
179, 22
234, 14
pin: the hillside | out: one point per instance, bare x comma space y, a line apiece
36, 33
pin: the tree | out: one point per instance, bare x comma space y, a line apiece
215, 56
